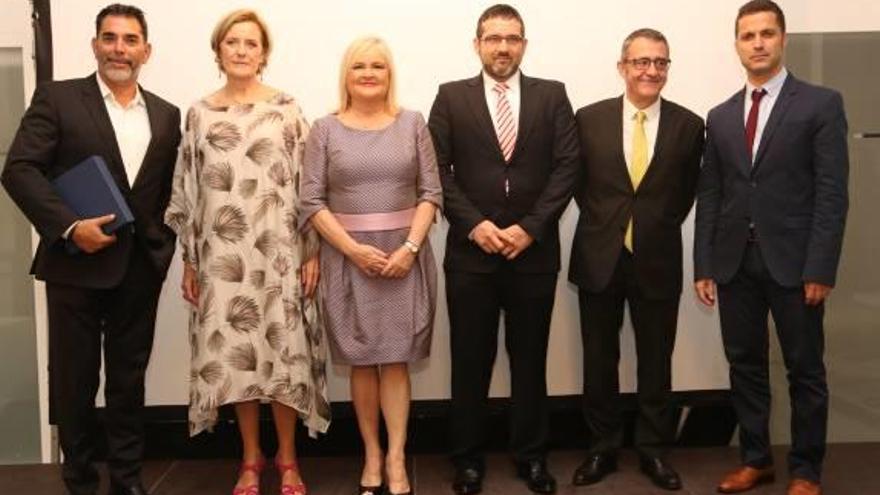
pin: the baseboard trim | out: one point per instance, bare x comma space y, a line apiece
709, 420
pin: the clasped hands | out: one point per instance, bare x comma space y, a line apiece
508, 242
377, 263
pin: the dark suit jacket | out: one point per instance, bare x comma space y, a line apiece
606, 198
67, 122
473, 171
795, 194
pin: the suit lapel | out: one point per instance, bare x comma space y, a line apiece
476, 96
615, 118
735, 117
153, 116
664, 136
94, 103
786, 94
528, 105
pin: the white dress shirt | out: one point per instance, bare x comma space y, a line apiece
131, 125
513, 94
773, 88
652, 123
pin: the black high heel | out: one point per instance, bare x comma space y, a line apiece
371, 490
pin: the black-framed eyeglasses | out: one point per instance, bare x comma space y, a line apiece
495, 40
661, 64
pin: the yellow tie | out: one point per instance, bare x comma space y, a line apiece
638, 167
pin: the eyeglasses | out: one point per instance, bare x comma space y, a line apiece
661, 64
495, 40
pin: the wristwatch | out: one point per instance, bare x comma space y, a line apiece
412, 246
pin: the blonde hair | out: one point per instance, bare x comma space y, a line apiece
236, 17
356, 48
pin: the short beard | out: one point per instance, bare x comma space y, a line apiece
500, 77
120, 75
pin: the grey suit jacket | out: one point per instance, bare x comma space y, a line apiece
795, 193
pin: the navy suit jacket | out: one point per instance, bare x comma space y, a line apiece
66, 123
795, 194
541, 172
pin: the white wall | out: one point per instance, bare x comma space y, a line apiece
574, 41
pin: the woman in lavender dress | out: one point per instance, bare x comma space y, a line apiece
370, 187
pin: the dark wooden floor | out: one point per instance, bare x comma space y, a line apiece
851, 469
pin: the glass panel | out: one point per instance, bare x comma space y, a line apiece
19, 401
848, 63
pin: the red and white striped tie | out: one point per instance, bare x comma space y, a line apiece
505, 126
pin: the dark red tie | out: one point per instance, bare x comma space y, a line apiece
752, 121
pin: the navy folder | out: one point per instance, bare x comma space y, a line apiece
90, 191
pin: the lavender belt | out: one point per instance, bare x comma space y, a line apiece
370, 222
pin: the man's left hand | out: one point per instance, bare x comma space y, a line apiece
520, 240
815, 293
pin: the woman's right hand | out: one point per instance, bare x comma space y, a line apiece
190, 284
368, 258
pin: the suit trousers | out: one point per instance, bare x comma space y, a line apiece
654, 326
744, 304
475, 302
81, 322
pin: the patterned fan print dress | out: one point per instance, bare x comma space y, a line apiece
253, 335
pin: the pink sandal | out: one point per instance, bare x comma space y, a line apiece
256, 468
297, 489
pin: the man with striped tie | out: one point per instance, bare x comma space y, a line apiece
639, 168
507, 152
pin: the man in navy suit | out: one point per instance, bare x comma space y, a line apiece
105, 297
771, 208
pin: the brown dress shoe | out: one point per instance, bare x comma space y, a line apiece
799, 486
745, 478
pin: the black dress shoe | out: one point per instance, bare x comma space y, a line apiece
661, 474
536, 476
468, 480
128, 490
592, 470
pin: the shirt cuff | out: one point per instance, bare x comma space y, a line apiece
66, 234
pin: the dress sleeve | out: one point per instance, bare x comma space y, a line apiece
313, 181
296, 131
428, 187
180, 215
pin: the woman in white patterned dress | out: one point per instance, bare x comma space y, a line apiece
371, 188
256, 333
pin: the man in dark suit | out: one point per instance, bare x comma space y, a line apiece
771, 208
640, 159
109, 290
507, 152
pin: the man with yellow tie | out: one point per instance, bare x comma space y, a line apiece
640, 158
